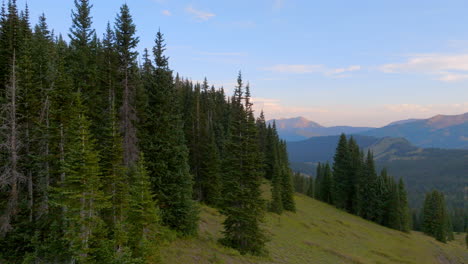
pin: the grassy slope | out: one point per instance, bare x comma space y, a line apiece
317, 233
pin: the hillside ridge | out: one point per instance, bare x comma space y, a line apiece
317, 233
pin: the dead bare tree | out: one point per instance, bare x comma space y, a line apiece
11, 176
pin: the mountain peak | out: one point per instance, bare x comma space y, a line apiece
443, 121
295, 122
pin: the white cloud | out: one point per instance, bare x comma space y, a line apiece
443, 67
348, 69
274, 108
198, 14
166, 13
313, 68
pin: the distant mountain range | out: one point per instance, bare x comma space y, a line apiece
441, 131
422, 169
299, 128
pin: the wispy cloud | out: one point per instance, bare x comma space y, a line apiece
275, 108
166, 13
400, 108
364, 115
198, 14
443, 67
313, 68
416, 109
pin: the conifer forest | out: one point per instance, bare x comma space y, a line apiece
107, 153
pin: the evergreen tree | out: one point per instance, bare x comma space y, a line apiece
276, 204
145, 232
126, 43
11, 175
242, 203
404, 209
287, 189
341, 183
311, 187
369, 204
318, 182
82, 61
80, 193
354, 176
165, 150
211, 171
327, 188
435, 216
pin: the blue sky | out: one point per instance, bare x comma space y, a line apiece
362, 63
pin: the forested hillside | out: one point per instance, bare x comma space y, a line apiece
421, 169
105, 159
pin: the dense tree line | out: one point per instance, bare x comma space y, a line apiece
103, 158
436, 221
352, 184
458, 217
358, 189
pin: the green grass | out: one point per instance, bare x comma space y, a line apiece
317, 233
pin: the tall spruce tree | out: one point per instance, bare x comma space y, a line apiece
145, 232
79, 193
369, 199
82, 61
341, 182
326, 187
165, 150
434, 214
354, 175
126, 43
318, 182
404, 209
287, 189
242, 203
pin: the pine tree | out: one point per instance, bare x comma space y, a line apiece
354, 176
311, 188
287, 189
404, 209
165, 150
319, 182
145, 232
435, 216
126, 43
211, 171
341, 183
390, 201
43, 51
11, 175
82, 61
276, 204
369, 206
80, 193
327, 185
242, 203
